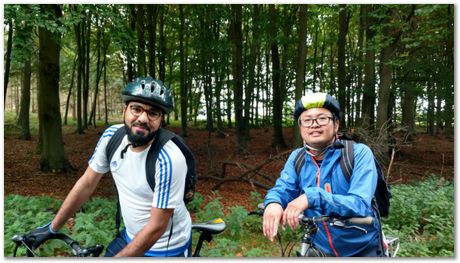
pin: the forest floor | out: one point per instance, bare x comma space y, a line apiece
414, 161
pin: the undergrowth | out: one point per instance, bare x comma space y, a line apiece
422, 216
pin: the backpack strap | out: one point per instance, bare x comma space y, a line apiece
347, 159
161, 139
110, 150
299, 161
191, 175
114, 143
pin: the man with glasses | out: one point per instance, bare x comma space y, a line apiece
320, 188
157, 222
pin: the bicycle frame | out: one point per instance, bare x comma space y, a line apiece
309, 227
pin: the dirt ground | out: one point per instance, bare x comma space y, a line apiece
413, 162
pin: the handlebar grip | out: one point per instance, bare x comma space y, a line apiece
361, 220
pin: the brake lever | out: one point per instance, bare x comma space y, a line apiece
21, 240
339, 223
89, 251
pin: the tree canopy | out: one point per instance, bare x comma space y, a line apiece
243, 65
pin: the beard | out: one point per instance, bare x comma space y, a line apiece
139, 138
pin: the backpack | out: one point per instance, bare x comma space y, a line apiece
382, 195
162, 137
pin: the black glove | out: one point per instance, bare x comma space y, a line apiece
38, 236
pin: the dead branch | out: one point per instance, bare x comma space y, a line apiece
391, 163
253, 171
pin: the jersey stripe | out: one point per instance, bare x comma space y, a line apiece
109, 132
165, 179
160, 189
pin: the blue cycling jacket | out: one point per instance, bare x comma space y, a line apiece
342, 198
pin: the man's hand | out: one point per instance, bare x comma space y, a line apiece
293, 210
39, 236
272, 216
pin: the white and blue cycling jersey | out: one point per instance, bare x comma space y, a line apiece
137, 198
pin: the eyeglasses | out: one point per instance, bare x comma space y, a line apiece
137, 111
321, 120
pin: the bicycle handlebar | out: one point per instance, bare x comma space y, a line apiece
336, 221
352, 220
77, 250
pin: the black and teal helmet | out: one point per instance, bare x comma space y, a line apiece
149, 91
317, 100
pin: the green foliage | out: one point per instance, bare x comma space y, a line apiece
422, 216
196, 203
213, 209
96, 224
23, 214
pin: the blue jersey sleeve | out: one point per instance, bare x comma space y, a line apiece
287, 185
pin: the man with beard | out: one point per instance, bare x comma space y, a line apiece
157, 222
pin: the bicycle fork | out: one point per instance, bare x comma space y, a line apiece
306, 247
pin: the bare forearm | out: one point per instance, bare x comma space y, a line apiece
79, 194
149, 234
142, 242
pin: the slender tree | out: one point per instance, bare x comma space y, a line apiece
300, 68
25, 101
140, 30
237, 71
278, 140
182, 73
368, 114
341, 67
9, 47
152, 13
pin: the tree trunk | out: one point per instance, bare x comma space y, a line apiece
78, 40
368, 103
69, 95
53, 157
92, 116
341, 70
278, 140
205, 36
359, 75
183, 87
431, 107
9, 47
321, 74
315, 57
162, 46
253, 53
237, 71
130, 54
449, 84
151, 27
385, 85
300, 65
25, 101
140, 31
86, 43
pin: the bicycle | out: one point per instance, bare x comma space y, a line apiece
309, 226
207, 231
